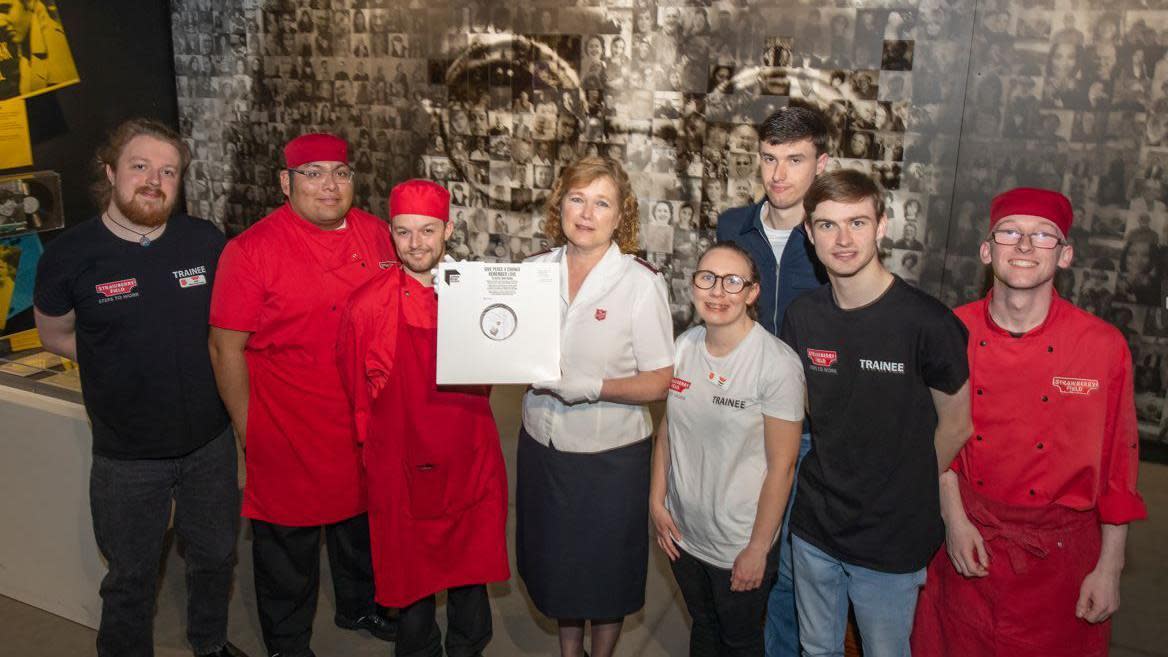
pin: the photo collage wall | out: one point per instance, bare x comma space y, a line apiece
493, 98
1073, 96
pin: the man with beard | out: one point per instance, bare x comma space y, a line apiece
274, 317
792, 152
437, 484
127, 295
1037, 505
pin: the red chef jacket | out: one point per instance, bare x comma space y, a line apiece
285, 281
1053, 414
435, 472
1054, 453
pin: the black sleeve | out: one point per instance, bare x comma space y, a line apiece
216, 240
53, 292
787, 333
943, 358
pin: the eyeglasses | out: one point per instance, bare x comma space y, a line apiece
731, 283
341, 175
1039, 240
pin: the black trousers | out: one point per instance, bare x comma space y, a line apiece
468, 625
287, 578
131, 502
725, 623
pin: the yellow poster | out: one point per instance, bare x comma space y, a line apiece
34, 53
15, 148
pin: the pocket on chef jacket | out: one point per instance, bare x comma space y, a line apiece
427, 488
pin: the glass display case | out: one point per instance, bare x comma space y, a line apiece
25, 365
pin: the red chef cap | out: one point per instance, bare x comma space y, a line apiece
1045, 203
422, 197
315, 147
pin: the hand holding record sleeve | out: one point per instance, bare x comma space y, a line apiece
434, 271
573, 389
498, 323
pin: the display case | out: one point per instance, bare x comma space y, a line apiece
27, 366
51, 560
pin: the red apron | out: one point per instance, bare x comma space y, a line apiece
436, 479
1025, 607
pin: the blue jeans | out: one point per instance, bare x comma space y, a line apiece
885, 604
782, 626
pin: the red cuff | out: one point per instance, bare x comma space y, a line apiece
1120, 508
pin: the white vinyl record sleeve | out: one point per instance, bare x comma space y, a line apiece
498, 322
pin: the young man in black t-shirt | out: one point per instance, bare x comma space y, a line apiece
127, 295
889, 409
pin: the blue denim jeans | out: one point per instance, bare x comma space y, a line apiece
131, 501
884, 603
782, 626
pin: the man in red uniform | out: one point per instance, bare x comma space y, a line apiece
275, 310
437, 483
1036, 505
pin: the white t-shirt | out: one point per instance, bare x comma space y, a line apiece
617, 325
717, 452
778, 238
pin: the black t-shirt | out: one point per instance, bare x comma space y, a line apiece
868, 490
141, 333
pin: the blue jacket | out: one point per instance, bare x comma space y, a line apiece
799, 272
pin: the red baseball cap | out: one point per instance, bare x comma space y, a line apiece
1045, 203
315, 147
422, 197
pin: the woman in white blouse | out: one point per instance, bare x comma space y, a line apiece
584, 450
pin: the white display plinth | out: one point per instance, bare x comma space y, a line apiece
48, 555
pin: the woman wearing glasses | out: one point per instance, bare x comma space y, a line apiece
725, 455
583, 467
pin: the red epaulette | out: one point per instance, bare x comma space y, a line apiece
646, 264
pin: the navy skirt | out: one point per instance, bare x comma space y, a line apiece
582, 528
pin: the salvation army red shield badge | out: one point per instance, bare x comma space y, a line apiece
601, 313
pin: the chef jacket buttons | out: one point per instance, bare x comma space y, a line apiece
1039, 445
979, 391
977, 437
982, 343
1049, 349
979, 482
1045, 398
1031, 492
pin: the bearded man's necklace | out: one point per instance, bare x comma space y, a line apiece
143, 238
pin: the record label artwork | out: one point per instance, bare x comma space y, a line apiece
498, 321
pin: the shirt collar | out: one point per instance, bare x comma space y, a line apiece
600, 279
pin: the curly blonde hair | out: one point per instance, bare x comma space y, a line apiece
581, 173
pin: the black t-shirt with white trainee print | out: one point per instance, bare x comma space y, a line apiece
868, 491
141, 333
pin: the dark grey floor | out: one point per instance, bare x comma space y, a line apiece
660, 629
